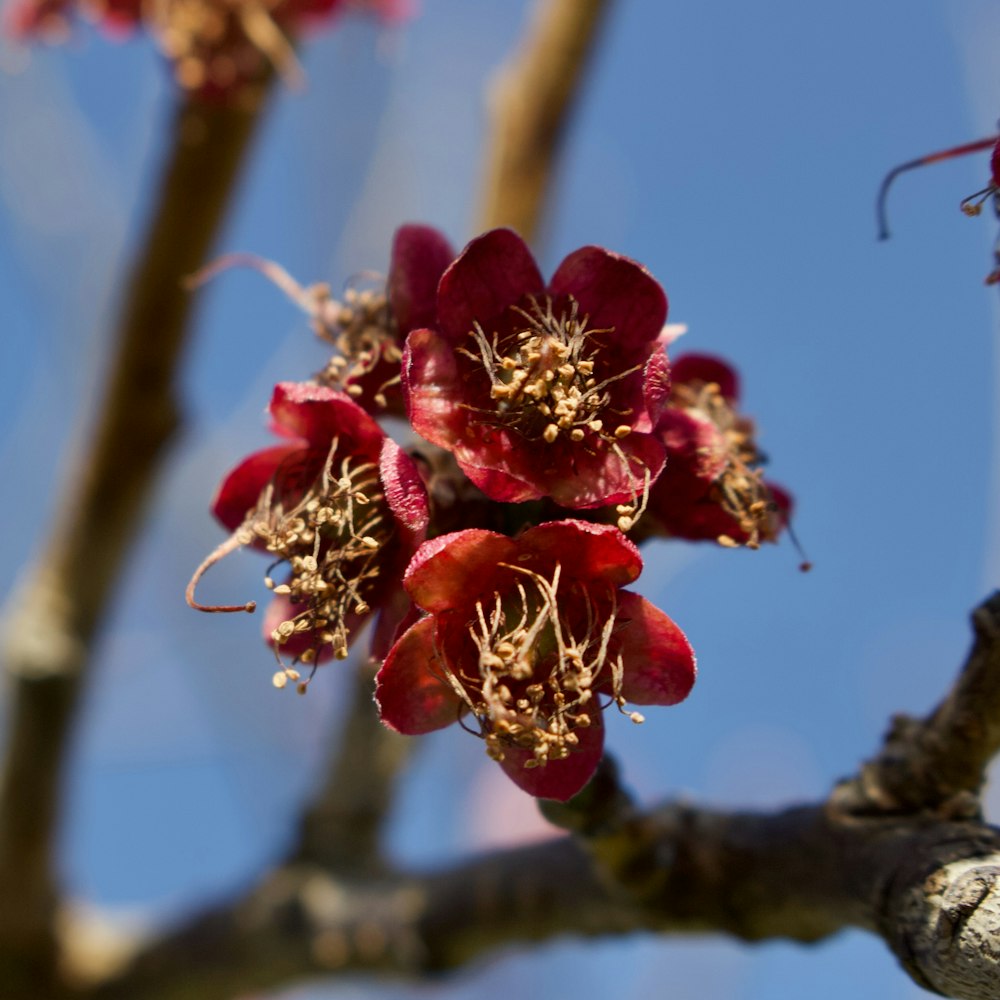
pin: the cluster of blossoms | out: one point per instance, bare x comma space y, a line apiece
219, 49
493, 554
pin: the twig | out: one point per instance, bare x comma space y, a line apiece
938, 764
341, 829
532, 100
53, 617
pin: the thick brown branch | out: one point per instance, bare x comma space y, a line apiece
531, 103
803, 874
938, 764
58, 608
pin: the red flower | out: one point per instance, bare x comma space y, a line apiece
528, 635
711, 487
369, 329
543, 390
342, 506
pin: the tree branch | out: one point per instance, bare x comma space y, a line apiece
52, 619
531, 102
927, 887
938, 764
342, 826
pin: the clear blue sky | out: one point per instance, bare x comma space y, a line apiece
735, 149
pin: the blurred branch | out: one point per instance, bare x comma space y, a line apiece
341, 829
938, 764
531, 102
801, 874
57, 610
927, 883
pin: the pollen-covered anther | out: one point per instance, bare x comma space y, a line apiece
541, 374
536, 676
739, 489
329, 541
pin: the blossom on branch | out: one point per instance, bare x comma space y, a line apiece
712, 487
544, 390
342, 507
532, 637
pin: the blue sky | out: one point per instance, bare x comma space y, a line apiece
733, 148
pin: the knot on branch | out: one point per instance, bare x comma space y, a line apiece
948, 931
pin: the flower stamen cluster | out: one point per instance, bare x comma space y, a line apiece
331, 540
364, 333
542, 375
535, 683
739, 488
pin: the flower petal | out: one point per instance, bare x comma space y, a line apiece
411, 697
614, 291
586, 552
655, 389
453, 570
433, 388
420, 255
659, 662
558, 779
240, 490
493, 272
319, 414
404, 491
707, 368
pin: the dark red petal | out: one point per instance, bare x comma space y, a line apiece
615, 292
404, 492
411, 695
706, 368
512, 469
995, 165
586, 552
655, 390
240, 490
395, 615
420, 256
493, 272
433, 389
659, 662
695, 446
784, 500
454, 570
497, 484
559, 779
319, 414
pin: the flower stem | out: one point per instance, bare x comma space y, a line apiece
532, 99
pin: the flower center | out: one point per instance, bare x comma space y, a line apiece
330, 540
739, 489
542, 374
536, 672
365, 334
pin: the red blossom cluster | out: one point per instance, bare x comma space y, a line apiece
219, 49
493, 553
